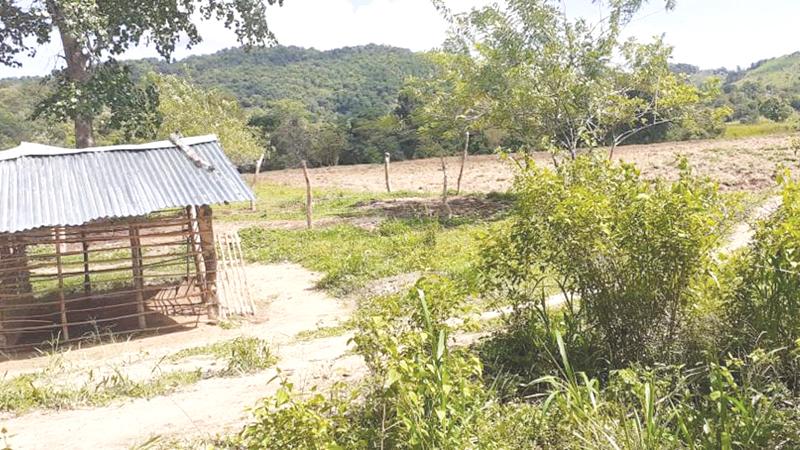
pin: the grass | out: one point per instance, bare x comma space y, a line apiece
38, 391
243, 355
41, 390
349, 256
742, 130
277, 202
324, 332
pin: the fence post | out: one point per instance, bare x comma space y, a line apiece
308, 195
386, 159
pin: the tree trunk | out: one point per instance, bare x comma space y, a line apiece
463, 162
77, 71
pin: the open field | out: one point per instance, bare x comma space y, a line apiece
738, 164
187, 390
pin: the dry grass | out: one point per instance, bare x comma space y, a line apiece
747, 164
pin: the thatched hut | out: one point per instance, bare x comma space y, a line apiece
109, 240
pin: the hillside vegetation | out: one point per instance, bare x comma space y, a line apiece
352, 81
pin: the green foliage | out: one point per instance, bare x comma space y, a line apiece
764, 305
314, 423
191, 111
625, 251
360, 81
775, 108
558, 89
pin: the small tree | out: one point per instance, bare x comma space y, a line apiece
191, 110
449, 108
553, 84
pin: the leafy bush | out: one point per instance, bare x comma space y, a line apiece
764, 305
624, 251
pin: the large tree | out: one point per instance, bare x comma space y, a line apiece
93, 33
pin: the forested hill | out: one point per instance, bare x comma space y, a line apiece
353, 81
769, 88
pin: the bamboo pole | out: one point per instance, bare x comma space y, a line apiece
308, 195
138, 279
464, 155
386, 160
61, 301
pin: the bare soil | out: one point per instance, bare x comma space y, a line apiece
737, 164
289, 304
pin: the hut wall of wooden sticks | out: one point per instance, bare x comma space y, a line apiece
109, 277
102, 241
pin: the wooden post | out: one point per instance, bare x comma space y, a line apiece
386, 159
463, 163
61, 301
308, 195
255, 178
206, 231
87, 282
446, 206
138, 275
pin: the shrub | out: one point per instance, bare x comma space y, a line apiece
628, 249
764, 305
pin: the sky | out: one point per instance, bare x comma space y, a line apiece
706, 33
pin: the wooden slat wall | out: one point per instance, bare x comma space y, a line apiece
107, 277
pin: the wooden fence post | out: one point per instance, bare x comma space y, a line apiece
255, 178
61, 301
309, 199
386, 159
206, 231
138, 274
463, 163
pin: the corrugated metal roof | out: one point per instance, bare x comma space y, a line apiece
43, 186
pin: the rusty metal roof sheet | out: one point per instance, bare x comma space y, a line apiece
43, 186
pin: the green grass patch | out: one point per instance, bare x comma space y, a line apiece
41, 390
324, 332
742, 130
349, 256
37, 390
277, 202
243, 355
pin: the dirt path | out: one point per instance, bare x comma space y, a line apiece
212, 406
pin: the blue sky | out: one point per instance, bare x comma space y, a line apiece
707, 33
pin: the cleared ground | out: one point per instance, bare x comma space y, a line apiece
738, 164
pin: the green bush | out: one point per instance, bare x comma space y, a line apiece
764, 305
626, 251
